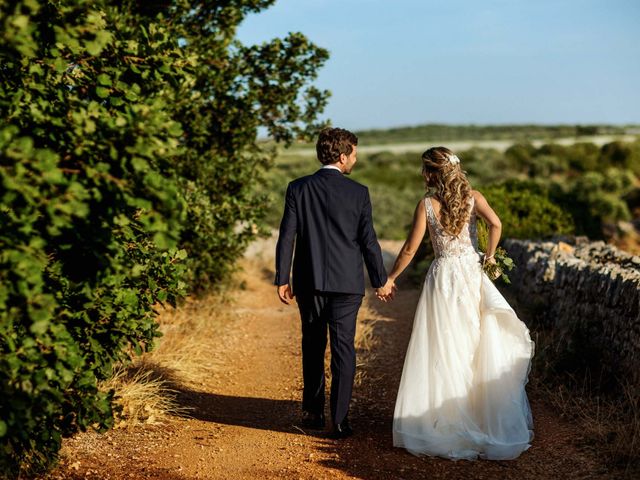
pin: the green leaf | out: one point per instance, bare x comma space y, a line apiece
20, 21
60, 65
175, 129
39, 327
102, 92
131, 95
104, 79
139, 164
163, 241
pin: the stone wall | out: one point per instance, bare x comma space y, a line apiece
589, 292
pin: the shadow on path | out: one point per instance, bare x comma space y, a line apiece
250, 412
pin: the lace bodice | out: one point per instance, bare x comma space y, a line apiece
447, 245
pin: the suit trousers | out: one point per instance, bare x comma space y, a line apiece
336, 312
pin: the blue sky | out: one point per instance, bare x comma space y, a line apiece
408, 62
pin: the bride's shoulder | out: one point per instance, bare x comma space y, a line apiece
431, 199
477, 196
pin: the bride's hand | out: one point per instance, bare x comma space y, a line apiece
387, 292
490, 267
489, 260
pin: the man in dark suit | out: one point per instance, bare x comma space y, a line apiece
328, 217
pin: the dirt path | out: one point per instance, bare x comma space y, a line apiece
243, 420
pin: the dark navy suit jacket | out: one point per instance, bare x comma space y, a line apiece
328, 217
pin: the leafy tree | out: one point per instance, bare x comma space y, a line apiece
236, 90
127, 142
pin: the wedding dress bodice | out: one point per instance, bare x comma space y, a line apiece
447, 245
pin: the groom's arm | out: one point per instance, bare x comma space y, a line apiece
286, 239
369, 245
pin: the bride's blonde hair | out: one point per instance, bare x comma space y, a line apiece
442, 172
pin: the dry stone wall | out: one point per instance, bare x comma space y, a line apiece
589, 292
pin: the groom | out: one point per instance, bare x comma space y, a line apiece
328, 217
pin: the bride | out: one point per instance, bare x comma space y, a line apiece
462, 393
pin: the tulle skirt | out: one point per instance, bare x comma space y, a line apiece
462, 393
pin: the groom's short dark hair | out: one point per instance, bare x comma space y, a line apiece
332, 142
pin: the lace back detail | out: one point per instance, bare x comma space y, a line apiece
447, 245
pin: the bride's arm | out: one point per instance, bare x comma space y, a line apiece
495, 226
410, 247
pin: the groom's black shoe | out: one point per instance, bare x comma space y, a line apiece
313, 420
341, 430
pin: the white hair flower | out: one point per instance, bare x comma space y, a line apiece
454, 160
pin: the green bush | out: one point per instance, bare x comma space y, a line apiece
91, 216
621, 155
596, 198
127, 142
526, 211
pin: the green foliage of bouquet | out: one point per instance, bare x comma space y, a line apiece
503, 263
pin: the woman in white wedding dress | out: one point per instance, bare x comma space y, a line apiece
462, 393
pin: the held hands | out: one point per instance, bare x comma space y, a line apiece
387, 292
384, 293
285, 294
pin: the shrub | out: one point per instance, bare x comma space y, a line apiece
90, 213
526, 210
127, 142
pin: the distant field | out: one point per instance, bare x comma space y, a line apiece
473, 135
458, 145
511, 133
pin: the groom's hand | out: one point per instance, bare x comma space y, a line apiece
285, 294
386, 292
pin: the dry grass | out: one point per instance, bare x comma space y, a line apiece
608, 417
146, 389
189, 337
143, 398
610, 426
365, 342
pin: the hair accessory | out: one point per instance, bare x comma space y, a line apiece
454, 160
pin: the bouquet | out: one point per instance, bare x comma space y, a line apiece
497, 270
503, 263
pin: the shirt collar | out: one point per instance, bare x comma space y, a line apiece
333, 167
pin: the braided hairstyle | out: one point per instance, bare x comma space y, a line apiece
442, 173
